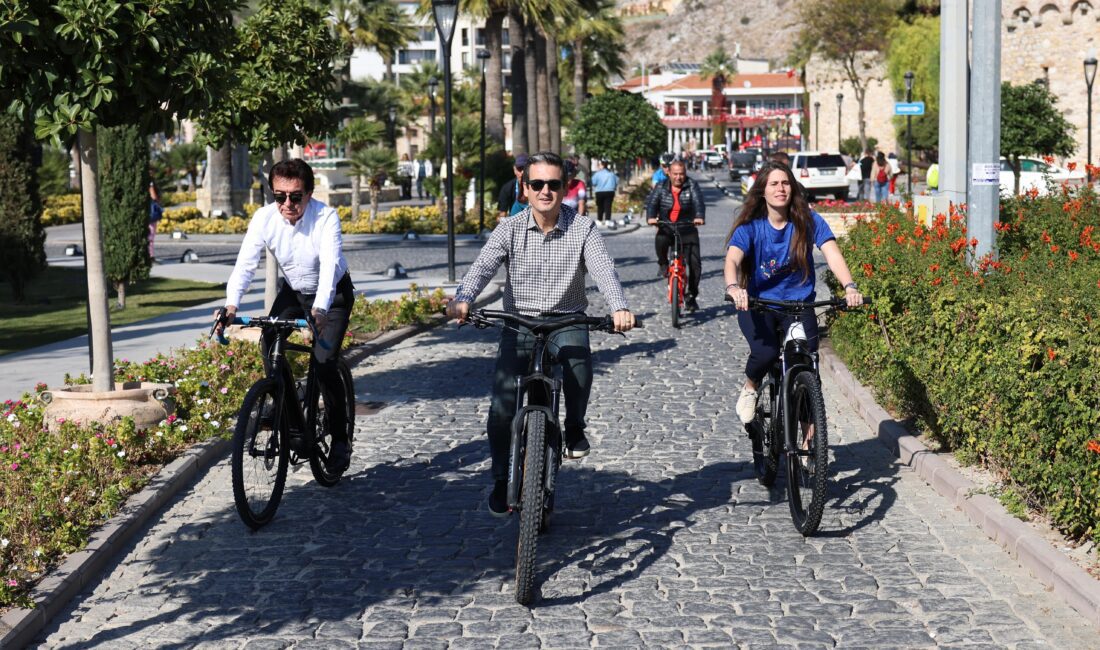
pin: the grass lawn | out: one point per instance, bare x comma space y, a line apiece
56, 300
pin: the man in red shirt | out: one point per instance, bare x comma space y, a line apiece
679, 200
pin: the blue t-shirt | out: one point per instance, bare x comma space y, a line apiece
659, 176
604, 180
774, 277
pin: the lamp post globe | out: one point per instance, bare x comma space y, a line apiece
433, 83
445, 13
817, 125
393, 127
1090, 76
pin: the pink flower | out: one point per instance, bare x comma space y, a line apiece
14, 466
224, 390
12, 582
229, 353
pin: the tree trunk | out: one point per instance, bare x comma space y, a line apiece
494, 79
120, 290
531, 71
74, 153
373, 202
518, 86
241, 173
389, 68
219, 179
542, 91
356, 186
98, 314
580, 81
553, 92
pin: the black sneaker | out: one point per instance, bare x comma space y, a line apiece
498, 499
691, 304
339, 457
578, 448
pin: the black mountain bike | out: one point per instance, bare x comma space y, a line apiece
283, 422
790, 418
537, 444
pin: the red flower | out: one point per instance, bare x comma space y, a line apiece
1094, 446
1048, 160
1045, 237
934, 268
1051, 354
868, 270
1071, 166
937, 282
1073, 256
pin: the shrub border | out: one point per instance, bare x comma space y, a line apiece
19, 626
1062, 575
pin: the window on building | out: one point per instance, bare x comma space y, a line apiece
670, 108
740, 104
410, 131
465, 59
465, 37
504, 37
769, 105
414, 150
697, 108
784, 103
412, 57
480, 36
427, 34
506, 61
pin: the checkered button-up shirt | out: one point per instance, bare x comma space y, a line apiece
545, 272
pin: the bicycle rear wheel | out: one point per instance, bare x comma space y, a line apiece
322, 441
808, 462
531, 502
260, 455
767, 443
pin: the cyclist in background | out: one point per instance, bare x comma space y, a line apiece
547, 248
770, 255
304, 235
680, 201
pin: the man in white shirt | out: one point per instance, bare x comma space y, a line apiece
304, 235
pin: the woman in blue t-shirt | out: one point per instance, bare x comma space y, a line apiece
770, 256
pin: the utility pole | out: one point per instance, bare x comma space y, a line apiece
985, 132
953, 100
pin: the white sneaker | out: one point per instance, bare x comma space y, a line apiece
746, 405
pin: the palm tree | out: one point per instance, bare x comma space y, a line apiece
494, 12
376, 24
186, 157
376, 164
356, 134
594, 36
718, 67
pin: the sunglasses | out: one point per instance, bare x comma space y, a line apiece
537, 184
295, 197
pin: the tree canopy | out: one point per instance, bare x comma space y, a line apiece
618, 126
1032, 125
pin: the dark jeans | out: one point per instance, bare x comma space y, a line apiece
764, 332
571, 347
293, 304
690, 240
420, 188
604, 201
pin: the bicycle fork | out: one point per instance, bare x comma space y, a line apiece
518, 448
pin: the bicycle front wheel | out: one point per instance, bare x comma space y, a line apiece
322, 441
260, 455
808, 462
531, 505
674, 299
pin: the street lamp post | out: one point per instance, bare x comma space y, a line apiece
433, 83
1090, 75
839, 105
483, 56
445, 12
909, 135
817, 125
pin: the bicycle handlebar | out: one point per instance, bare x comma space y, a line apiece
796, 305
481, 318
265, 321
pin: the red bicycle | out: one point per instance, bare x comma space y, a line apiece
677, 272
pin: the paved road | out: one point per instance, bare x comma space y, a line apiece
662, 538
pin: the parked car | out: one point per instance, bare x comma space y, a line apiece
821, 172
741, 164
713, 159
1035, 174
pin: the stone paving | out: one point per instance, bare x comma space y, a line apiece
661, 538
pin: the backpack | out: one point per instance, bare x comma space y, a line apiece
881, 175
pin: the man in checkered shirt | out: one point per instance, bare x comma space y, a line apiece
546, 250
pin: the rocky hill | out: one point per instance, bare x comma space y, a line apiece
692, 29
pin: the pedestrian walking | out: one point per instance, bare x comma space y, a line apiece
156, 212
423, 170
604, 184
576, 193
405, 171
865, 165
895, 171
880, 172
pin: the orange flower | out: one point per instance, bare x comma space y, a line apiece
1046, 237
1071, 166
900, 239
1051, 353
1073, 256
937, 282
934, 268
1094, 446
1048, 160
891, 260
868, 270
1054, 248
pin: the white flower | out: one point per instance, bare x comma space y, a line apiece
75, 446
206, 416
37, 552
11, 417
67, 499
4, 542
160, 434
215, 423
16, 424
120, 454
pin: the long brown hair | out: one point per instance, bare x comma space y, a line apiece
798, 213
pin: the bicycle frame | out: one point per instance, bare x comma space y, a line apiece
302, 421
536, 391
795, 356
677, 270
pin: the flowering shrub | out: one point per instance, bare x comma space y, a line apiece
837, 205
997, 363
55, 488
60, 209
417, 306
175, 198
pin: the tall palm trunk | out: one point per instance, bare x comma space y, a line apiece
520, 143
494, 81
542, 91
580, 79
99, 316
219, 179
531, 70
553, 92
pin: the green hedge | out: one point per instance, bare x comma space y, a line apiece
999, 364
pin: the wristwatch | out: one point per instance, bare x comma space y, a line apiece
851, 285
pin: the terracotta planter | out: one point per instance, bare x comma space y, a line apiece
147, 403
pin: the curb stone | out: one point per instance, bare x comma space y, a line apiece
19, 626
1053, 569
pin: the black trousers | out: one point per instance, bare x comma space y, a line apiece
604, 201
689, 237
295, 304
764, 331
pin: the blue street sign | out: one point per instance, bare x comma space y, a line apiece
909, 108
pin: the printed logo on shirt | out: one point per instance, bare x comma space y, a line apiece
772, 269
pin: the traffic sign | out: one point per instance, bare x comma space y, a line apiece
909, 108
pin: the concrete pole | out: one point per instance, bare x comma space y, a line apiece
953, 99
985, 133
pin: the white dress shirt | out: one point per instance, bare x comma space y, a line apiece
310, 252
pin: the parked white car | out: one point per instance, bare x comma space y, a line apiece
1035, 173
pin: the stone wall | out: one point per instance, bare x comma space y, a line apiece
825, 79
1049, 40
